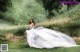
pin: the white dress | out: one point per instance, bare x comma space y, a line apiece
41, 37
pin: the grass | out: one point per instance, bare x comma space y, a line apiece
4, 23
68, 23
75, 49
23, 47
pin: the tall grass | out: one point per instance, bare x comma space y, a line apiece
14, 29
68, 22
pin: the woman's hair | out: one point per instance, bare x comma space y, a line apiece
31, 21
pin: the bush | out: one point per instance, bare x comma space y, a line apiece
22, 10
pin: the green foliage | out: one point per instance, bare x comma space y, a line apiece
4, 4
68, 22
16, 30
22, 10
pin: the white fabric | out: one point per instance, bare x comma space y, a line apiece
46, 38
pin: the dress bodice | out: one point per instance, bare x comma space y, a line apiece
32, 26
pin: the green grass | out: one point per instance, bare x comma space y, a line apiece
4, 23
22, 47
75, 49
69, 22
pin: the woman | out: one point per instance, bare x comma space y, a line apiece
41, 37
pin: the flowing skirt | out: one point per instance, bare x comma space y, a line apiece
46, 38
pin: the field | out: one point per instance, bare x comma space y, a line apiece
23, 47
13, 25
74, 49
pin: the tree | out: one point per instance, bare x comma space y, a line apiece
49, 6
4, 4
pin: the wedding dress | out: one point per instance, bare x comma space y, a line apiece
41, 37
